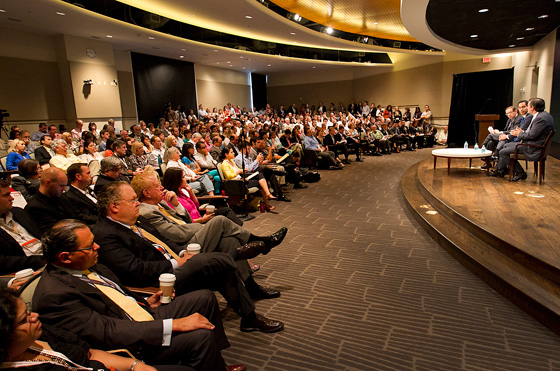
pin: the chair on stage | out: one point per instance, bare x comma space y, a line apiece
539, 164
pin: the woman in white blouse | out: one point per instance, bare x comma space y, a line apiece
199, 183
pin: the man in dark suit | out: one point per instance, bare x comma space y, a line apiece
336, 143
80, 196
43, 153
137, 253
46, 207
87, 299
21, 237
110, 171
536, 133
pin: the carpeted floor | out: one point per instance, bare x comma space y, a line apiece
365, 288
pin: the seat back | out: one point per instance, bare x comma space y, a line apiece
3, 162
27, 290
547, 145
220, 171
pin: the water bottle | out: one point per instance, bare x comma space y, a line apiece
476, 146
466, 146
483, 149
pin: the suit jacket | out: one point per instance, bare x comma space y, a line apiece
215, 152
104, 179
134, 259
180, 234
329, 141
66, 301
27, 187
46, 211
536, 133
12, 257
42, 155
512, 124
82, 208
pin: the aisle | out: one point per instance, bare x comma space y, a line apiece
364, 288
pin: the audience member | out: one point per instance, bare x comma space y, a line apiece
27, 183
16, 153
44, 152
62, 159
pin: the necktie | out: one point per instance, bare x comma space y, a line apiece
150, 237
173, 219
131, 307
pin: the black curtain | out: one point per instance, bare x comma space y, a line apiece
553, 107
260, 98
477, 92
158, 81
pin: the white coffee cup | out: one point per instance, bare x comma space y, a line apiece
210, 209
166, 284
22, 276
193, 248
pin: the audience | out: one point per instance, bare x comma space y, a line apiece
44, 152
16, 153
27, 183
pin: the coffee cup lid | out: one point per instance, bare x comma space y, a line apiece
193, 246
167, 277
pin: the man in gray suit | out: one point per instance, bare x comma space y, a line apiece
541, 125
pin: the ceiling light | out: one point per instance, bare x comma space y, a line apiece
483, 10
243, 67
292, 33
217, 62
241, 57
474, 36
511, 46
181, 56
2, 11
228, 62
60, 13
329, 30
543, 16
520, 38
216, 50
248, 17
192, 15
313, 67
151, 38
295, 42
294, 17
183, 50
269, 65
109, 36
375, 22
529, 29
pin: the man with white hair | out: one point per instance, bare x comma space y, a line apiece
62, 159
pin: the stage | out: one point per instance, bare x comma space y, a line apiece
505, 232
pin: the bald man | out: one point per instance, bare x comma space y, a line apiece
47, 207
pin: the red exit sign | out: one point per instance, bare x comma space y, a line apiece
486, 60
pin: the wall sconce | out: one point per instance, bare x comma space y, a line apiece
88, 82
115, 82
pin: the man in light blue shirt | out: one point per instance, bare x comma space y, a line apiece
312, 144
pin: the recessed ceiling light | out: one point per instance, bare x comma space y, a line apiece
217, 62
60, 13
228, 62
329, 30
192, 15
520, 38
375, 22
292, 33
243, 67
313, 67
295, 42
151, 38
241, 57
2, 11
483, 10
109, 36
269, 65
474, 36
529, 29
181, 56
215, 50
543, 16
511, 46
248, 17
183, 50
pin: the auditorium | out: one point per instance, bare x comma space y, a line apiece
279, 185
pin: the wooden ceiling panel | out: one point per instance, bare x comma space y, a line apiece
377, 18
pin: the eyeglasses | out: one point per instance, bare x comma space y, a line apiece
132, 200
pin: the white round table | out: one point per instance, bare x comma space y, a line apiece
469, 153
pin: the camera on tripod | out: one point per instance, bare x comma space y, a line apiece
3, 113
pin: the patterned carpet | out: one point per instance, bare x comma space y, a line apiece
365, 288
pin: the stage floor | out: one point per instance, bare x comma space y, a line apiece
522, 213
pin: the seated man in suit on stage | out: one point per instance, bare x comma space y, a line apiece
514, 120
21, 246
137, 253
219, 234
80, 197
78, 295
46, 207
541, 125
110, 171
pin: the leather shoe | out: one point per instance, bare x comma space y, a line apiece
284, 198
236, 368
485, 166
300, 186
250, 250
258, 292
519, 176
275, 239
498, 173
359, 160
335, 168
261, 323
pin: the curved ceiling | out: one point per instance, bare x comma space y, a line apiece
376, 18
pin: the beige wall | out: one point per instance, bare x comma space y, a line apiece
215, 87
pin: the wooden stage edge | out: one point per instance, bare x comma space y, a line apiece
507, 233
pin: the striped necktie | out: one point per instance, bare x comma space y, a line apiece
158, 244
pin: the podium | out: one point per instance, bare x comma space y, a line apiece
483, 122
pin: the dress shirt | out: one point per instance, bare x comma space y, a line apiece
36, 136
87, 192
186, 170
64, 162
30, 148
250, 165
76, 134
29, 244
205, 162
167, 323
311, 143
155, 158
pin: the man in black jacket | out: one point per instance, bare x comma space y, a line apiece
21, 245
43, 153
80, 196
